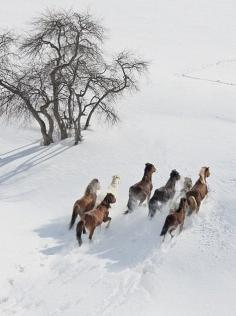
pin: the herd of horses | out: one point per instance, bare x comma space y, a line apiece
93, 209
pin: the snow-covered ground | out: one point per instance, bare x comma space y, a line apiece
183, 118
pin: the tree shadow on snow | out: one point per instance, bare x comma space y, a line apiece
37, 153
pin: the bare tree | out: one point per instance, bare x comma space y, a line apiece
66, 79
16, 95
59, 39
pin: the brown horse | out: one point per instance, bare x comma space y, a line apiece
141, 191
198, 191
87, 202
175, 219
95, 217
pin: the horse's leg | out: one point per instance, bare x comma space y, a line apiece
84, 230
131, 205
181, 227
108, 219
143, 198
170, 232
198, 207
164, 238
92, 229
148, 198
79, 230
153, 207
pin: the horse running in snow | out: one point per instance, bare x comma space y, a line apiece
198, 191
112, 188
163, 194
141, 191
175, 219
187, 185
95, 218
87, 202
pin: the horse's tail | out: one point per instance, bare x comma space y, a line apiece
166, 226
132, 203
152, 208
74, 215
192, 203
79, 230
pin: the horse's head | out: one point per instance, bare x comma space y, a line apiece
204, 173
109, 199
207, 172
188, 183
93, 186
116, 180
150, 168
175, 175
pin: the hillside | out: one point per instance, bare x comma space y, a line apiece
184, 117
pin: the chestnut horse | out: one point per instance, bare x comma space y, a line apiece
175, 219
95, 217
198, 191
141, 191
87, 202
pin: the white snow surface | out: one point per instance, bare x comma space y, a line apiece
184, 117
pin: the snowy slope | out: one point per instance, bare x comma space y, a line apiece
174, 122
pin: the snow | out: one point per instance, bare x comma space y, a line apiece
174, 122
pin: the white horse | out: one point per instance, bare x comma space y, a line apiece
112, 188
187, 185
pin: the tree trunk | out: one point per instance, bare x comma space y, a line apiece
47, 139
77, 127
56, 113
50, 121
87, 123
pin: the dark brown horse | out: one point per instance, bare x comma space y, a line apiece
198, 191
163, 194
95, 217
141, 191
87, 202
175, 219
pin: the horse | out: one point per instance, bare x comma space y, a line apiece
187, 185
199, 191
141, 191
163, 194
112, 188
86, 203
95, 218
175, 219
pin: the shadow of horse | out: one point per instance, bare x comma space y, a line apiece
128, 241
125, 244
61, 237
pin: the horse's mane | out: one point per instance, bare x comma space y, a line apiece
115, 180
92, 187
202, 175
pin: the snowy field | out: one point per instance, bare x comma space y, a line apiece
183, 118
